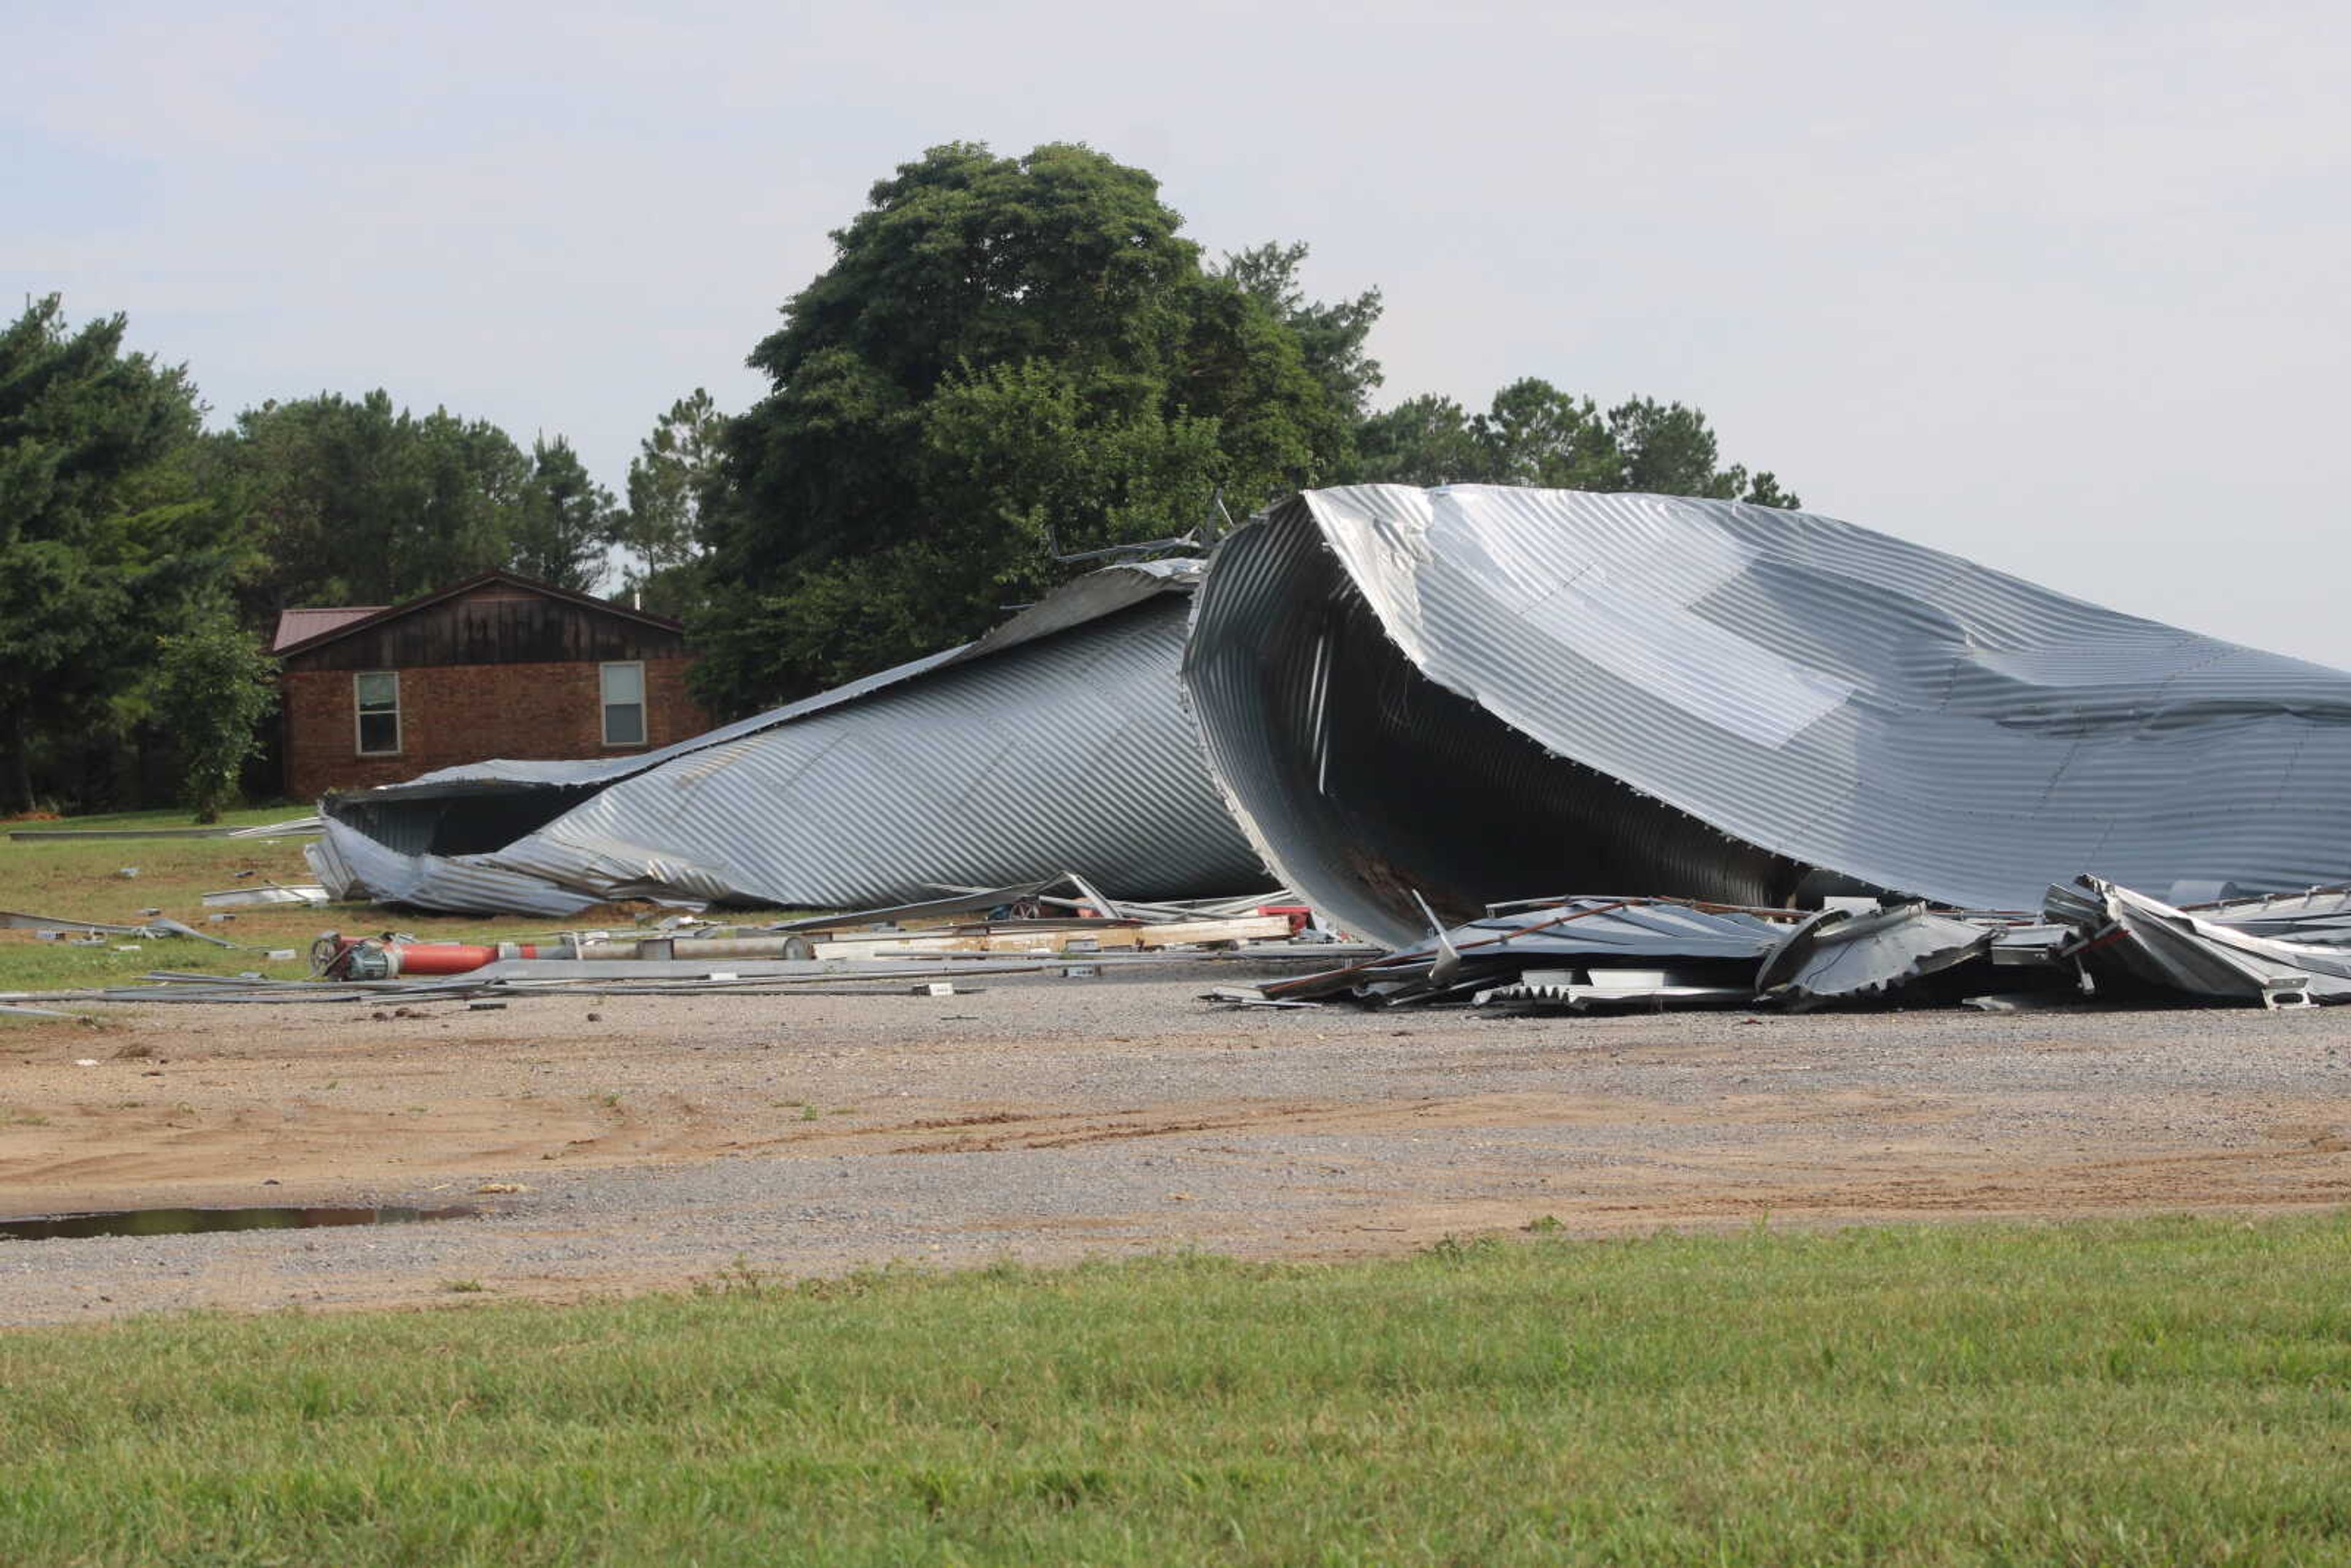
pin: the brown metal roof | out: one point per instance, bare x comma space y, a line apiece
359, 617
301, 625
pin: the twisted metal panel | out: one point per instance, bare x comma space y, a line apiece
1480, 692
1057, 742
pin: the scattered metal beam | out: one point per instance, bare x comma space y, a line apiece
268, 892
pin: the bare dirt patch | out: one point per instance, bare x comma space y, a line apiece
1049, 1118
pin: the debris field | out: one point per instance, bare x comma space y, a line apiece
1859, 765
1316, 896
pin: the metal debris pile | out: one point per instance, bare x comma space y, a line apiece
1061, 924
1817, 753
2092, 940
1467, 693
1060, 916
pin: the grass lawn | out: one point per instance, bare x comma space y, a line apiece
2160, 1392
169, 817
78, 881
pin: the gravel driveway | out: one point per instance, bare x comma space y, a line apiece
633, 1143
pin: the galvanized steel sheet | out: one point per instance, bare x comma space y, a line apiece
1057, 742
1476, 692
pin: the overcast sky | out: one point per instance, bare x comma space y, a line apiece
2066, 288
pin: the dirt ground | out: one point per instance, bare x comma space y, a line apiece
623, 1144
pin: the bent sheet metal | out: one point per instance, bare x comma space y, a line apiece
1058, 739
1463, 693
2173, 949
2092, 939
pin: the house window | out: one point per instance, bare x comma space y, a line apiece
624, 704
376, 696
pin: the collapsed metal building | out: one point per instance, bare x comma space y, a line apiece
1475, 695
1410, 705
1057, 740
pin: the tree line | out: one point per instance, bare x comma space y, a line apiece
1009, 362
1015, 359
144, 560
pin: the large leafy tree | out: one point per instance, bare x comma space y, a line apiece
1008, 358
107, 539
1534, 433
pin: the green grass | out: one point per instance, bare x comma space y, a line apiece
171, 817
2166, 1392
79, 881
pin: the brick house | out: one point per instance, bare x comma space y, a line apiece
498, 665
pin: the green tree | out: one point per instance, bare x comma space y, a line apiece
217, 687
565, 520
106, 535
674, 470
1332, 337
359, 502
1670, 450
1533, 433
1425, 440
1007, 356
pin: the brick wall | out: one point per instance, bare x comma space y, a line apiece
451, 714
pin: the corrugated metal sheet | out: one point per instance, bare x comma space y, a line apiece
1837, 955
2320, 914
1059, 741
1474, 691
1087, 598
2152, 941
1592, 932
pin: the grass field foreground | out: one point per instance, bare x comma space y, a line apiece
2156, 1392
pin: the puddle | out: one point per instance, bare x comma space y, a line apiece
193, 1221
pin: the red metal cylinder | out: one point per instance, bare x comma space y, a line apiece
442, 958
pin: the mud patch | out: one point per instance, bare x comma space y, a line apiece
198, 1221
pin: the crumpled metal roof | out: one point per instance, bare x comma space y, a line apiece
1589, 929
1837, 954
1470, 691
2149, 940
2317, 914
1057, 740
2095, 939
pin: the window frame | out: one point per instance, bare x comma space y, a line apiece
605, 705
360, 714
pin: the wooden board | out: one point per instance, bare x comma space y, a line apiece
1055, 937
